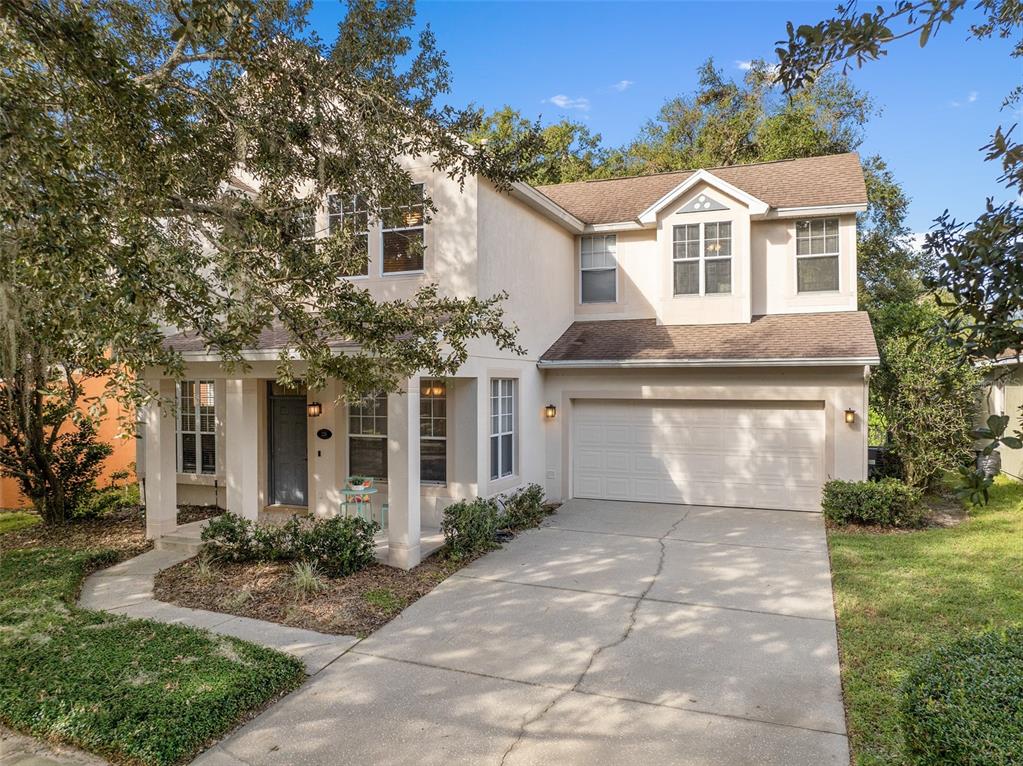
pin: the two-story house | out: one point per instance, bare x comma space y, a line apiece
691, 337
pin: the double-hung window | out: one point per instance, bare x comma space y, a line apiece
702, 258
598, 269
367, 437
817, 255
197, 427
403, 240
350, 212
433, 431
502, 427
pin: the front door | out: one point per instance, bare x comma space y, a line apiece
289, 483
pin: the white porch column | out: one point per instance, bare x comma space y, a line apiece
241, 427
161, 450
403, 532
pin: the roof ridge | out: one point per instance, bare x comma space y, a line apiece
696, 170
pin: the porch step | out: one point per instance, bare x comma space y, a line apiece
185, 539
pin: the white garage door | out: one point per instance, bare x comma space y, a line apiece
744, 454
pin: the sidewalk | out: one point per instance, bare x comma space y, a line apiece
127, 588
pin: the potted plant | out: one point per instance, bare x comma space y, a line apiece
358, 482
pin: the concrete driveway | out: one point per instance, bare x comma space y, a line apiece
618, 633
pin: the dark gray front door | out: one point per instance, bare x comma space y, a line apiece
288, 458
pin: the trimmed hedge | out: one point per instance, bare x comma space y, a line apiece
524, 508
888, 503
338, 547
963, 703
470, 527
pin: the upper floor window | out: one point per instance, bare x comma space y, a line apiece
197, 427
403, 240
817, 255
598, 269
350, 211
709, 243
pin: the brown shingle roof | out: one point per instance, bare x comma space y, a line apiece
833, 180
843, 335
270, 339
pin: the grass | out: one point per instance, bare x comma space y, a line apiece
12, 521
133, 691
384, 599
898, 594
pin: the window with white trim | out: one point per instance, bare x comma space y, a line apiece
598, 269
197, 427
367, 437
350, 211
502, 427
403, 230
709, 244
433, 431
817, 255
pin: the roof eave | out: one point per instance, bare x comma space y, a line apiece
546, 206
849, 361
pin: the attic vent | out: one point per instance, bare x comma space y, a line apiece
701, 204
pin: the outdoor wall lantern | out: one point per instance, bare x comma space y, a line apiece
850, 416
313, 409
550, 411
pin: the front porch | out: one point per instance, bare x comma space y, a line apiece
246, 445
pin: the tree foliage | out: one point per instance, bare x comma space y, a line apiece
558, 153
161, 159
724, 122
979, 271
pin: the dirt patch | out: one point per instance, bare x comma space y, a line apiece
355, 605
945, 511
189, 513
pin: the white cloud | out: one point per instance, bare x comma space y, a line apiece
622, 85
744, 65
970, 98
564, 102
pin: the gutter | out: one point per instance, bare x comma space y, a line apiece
674, 363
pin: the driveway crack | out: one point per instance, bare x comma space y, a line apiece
621, 639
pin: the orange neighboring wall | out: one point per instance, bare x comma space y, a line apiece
121, 459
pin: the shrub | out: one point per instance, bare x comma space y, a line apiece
469, 527
337, 547
229, 537
963, 703
340, 546
108, 501
524, 508
889, 503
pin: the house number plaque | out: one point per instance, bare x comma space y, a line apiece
324, 433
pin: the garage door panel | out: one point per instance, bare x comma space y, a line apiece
744, 454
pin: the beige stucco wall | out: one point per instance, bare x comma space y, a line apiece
763, 269
838, 388
1005, 397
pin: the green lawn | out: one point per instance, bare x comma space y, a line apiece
131, 690
12, 521
898, 594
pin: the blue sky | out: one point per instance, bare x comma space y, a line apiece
612, 65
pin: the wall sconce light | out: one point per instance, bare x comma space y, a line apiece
550, 411
850, 416
313, 409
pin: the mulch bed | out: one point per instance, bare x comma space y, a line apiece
355, 605
123, 532
190, 513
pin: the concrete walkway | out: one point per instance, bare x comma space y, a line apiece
618, 633
127, 588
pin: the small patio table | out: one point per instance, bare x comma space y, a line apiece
359, 500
